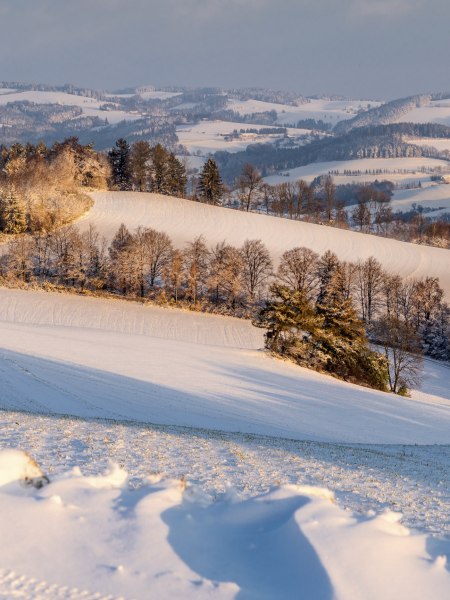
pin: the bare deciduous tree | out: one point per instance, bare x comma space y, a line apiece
298, 270
401, 347
257, 266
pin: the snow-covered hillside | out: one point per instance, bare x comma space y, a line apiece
397, 170
106, 358
435, 111
330, 111
183, 220
89, 106
435, 197
211, 136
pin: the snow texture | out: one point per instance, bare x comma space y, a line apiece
168, 539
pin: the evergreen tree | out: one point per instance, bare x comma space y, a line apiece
140, 159
210, 186
159, 170
176, 177
12, 214
120, 160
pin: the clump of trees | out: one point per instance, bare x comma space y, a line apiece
144, 168
327, 335
44, 188
321, 313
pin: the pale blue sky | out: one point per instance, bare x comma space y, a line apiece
357, 48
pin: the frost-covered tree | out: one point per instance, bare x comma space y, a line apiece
12, 213
249, 186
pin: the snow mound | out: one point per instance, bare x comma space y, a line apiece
18, 466
169, 540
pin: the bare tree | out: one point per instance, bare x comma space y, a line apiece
249, 186
159, 251
173, 274
225, 274
370, 279
257, 266
401, 347
196, 257
298, 270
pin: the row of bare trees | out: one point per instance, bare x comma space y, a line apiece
145, 263
318, 202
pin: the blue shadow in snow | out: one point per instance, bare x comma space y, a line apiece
255, 544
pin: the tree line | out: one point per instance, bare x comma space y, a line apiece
318, 310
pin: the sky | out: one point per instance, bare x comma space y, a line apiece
375, 49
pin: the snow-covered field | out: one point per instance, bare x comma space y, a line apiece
171, 540
105, 358
330, 111
148, 94
436, 111
89, 106
436, 197
184, 220
398, 170
200, 514
209, 136
439, 144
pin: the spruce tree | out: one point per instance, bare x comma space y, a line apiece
176, 177
210, 186
120, 160
140, 165
159, 170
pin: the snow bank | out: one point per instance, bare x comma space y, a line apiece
167, 539
16, 466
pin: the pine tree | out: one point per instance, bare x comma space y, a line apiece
210, 186
119, 158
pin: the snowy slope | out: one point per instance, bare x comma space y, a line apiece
97, 360
330, 111
436, 197
209, 136
168, 541
89, 106
436, 111
183, 220
398, 170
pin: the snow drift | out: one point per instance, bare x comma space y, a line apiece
168, 539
